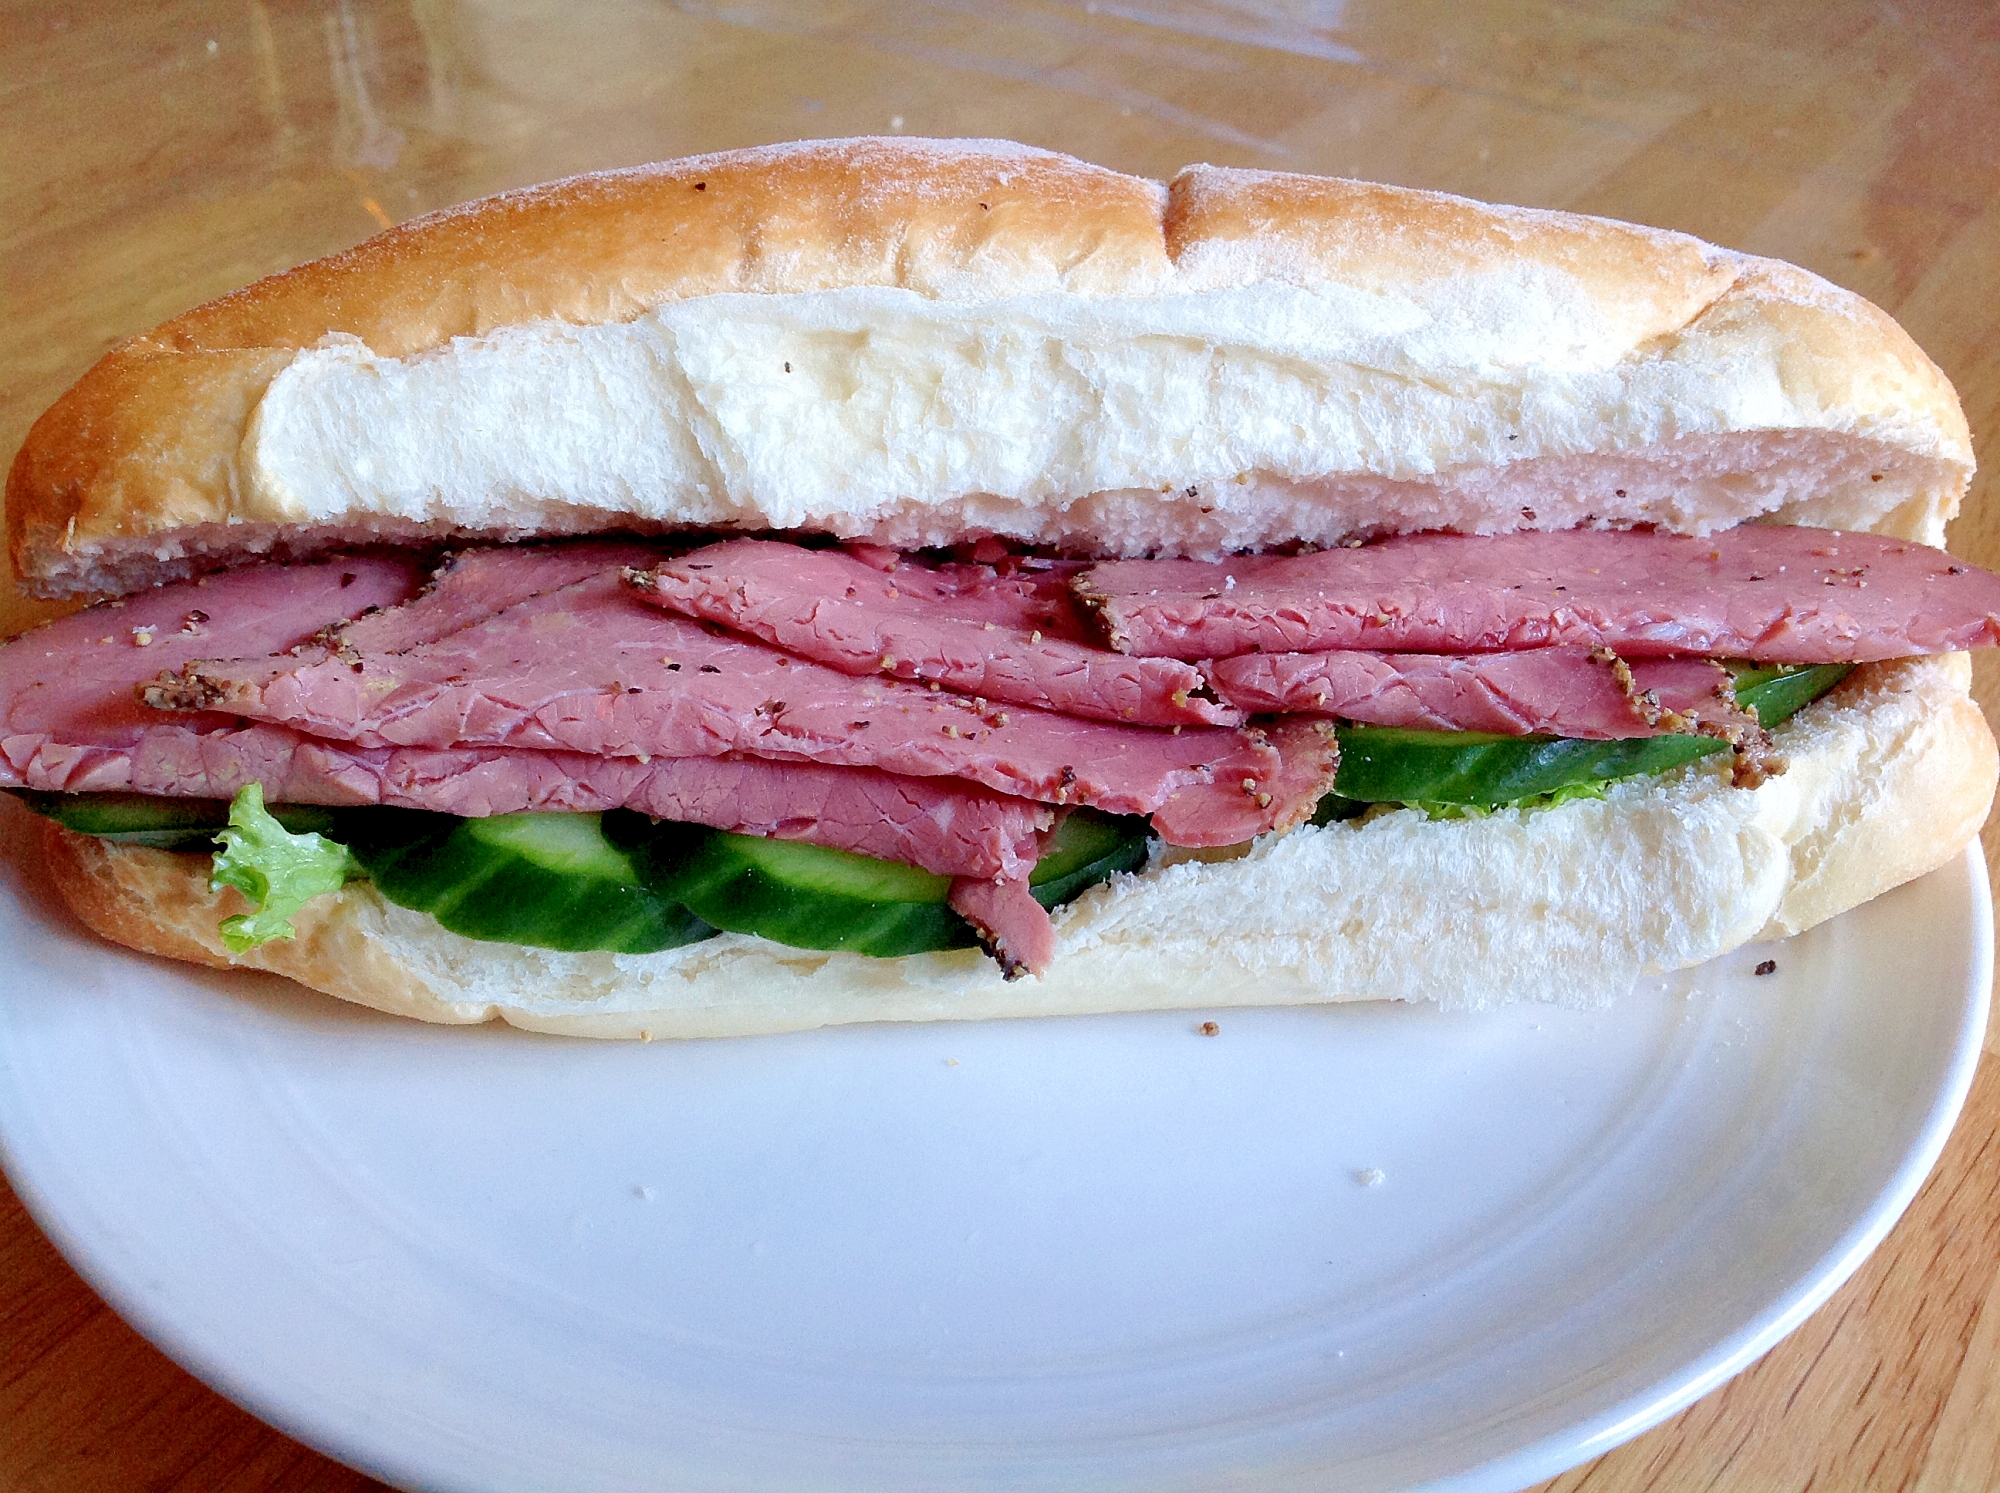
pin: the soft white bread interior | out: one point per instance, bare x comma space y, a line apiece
921, 342
1889, 777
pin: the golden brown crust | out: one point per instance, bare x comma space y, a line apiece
143, 460
132, 900
1235, 227
142, 444
950, 218
1849, 352
159, 902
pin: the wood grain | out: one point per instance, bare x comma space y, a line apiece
158, 155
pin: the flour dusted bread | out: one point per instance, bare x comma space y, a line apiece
921, 341
1890, 776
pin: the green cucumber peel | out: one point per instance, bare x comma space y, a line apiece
1780, 691
157, 822
1088, 847
277, 871
816, 897
578, 881
548, 880
821, 870
802, 896
1449, 772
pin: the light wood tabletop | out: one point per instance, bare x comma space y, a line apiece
153, 156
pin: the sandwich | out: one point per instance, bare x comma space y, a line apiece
899, 580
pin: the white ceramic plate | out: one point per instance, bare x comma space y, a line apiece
1349, 1248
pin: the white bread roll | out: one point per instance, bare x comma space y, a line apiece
920, 341
1890, 776
924, 342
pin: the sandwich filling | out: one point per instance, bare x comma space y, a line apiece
854, 748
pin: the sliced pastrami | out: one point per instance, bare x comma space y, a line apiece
1568, 690
70, 685
474, 584
1012, 926
70, 722
1273, 783
947, 827
593, 669
1772, 593
1008, 632
466, 589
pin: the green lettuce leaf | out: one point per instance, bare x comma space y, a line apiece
277, 870
1334, 809
1568, 793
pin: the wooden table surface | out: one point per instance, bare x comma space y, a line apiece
152, 156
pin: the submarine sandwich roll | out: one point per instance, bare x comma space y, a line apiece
869, 580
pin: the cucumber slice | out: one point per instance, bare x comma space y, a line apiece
813, 897
807, 896
1088, 847
1386, 764
552, 881
1780, 692
163, 823
585, 881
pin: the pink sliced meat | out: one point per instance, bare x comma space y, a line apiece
70, 685
1009, 632
946, 827
1767, 592
70, 722
940, 824
1014, 927
1273, 785
466, 589
472, 585
1568, 690
593, 669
